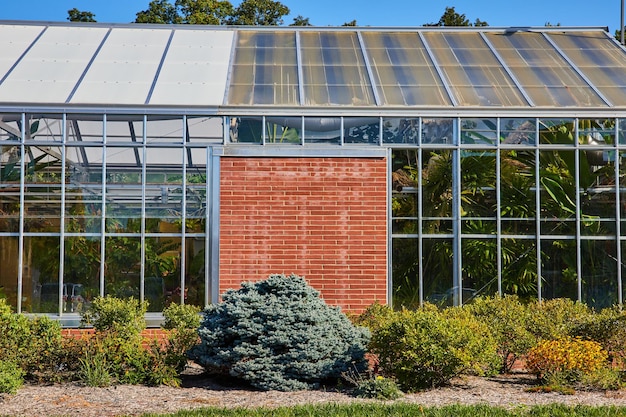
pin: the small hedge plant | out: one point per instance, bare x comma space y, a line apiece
11, 377
426, 348
278, 334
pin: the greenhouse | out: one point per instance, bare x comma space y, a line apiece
399, 165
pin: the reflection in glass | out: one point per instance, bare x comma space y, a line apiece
599, 273
9, 246
478, 131
123, 266
40, 290
441, 131
162, 271
322, 130
401, 131
405, 273
518, 131
558, 270
437, 269
361, 130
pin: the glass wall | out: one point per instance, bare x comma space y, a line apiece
522, 206
94, 205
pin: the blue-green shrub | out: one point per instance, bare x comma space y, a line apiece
278, 334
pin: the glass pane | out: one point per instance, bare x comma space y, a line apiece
558, 192
124, 129
401, 131
437, 269
42, 200
205, 129
322, 130
81, 279
405, 273
40, 291
84, 129
442, 131
601, 61
437, 191
164, 130
599, 269
472, 70
480, 263
163, 189
361, 130
264, 69
9, 246
195, 271
283, 131
478, 131
403, 72
123, 190
519, 268
162, 274
478, 183
123, 266
517, 189
334, 71
10, 172
546, 77
246, 129
518, 131
558, 270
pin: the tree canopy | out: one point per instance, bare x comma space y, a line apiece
451, 18
75, 15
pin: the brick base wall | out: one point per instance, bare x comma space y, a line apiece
321, 218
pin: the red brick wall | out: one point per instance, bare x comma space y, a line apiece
320, 218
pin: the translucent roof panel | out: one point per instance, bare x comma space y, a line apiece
545, 76
14, 40
125, 68
195, 69
334, 71
50, 69
602, 61
403, 72
471, 69
265, 69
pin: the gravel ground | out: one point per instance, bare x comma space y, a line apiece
199, 391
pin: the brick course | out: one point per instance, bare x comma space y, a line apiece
322, 218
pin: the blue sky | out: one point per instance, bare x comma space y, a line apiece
367, 13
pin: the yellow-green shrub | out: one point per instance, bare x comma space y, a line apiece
572, 357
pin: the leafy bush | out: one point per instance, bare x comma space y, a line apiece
566, 360
11, 377
508, 320
557, 318
278, 334
118, 324
374, 316
123, 316
426, 348
608, 327
33, 344
181, 322
378, 387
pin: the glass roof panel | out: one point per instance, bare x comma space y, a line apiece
472, 69
195, 69
124, 70
403, 73
547, 78
50, 70
334, 70
264, 69
601, 61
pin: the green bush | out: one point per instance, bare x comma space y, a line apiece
508, 320
181, 322
11, 377
426, 348
123, 316
279, 334
378, 387
608, 327
557, 318
118, 324
33, 344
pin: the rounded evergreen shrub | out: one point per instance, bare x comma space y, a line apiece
278, 334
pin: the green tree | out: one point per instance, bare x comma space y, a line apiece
301, 21
350, 23
75, 15
451, 18
259, 13
198, 12
159, 11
